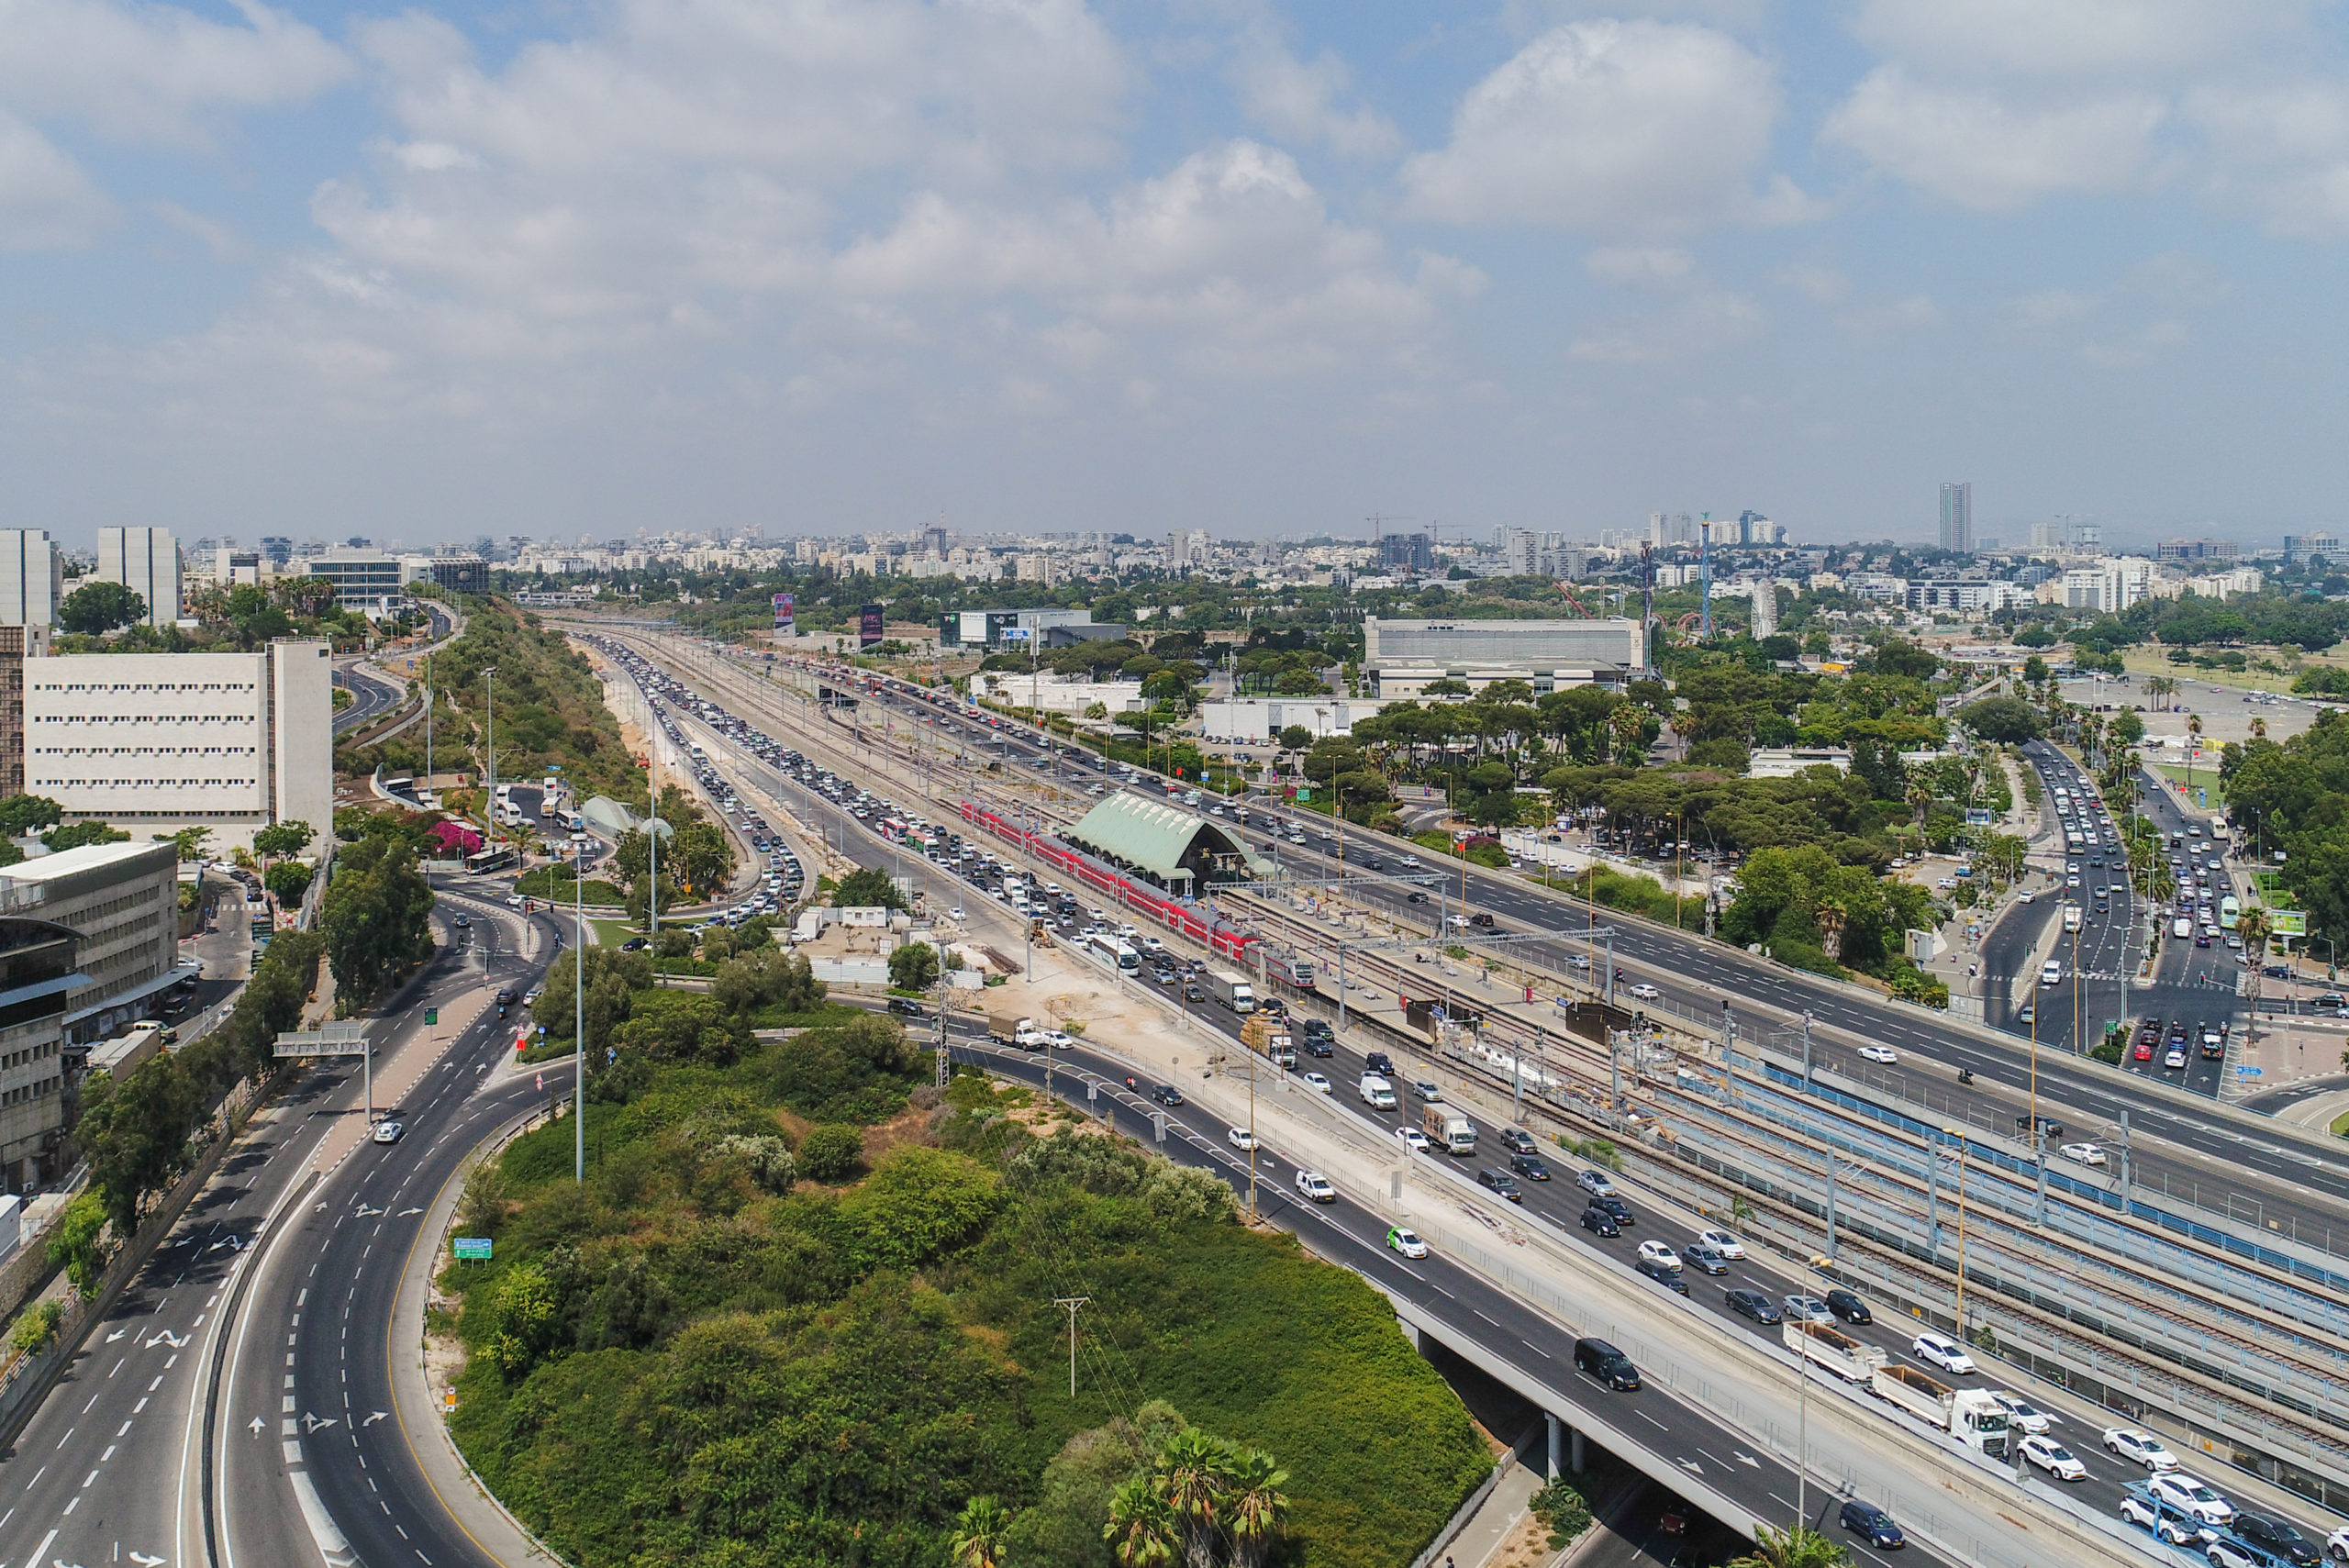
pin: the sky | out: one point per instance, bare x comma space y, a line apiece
830, 266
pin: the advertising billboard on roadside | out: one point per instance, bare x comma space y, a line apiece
868, 626
782, 614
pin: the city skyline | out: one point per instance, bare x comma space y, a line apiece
1265, 269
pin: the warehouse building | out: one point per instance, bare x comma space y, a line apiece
1402, 658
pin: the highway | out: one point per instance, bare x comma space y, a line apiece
372, 697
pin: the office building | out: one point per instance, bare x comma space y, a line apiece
37, 976
2107, 587
1263, 718
2197, 550
145, 561
1402, 656
1666, 530
365, 580
121, 900
15, 643
2299, 547
1957, 515
458, 574
1971, 596
32, 577
154, 742
1404, 553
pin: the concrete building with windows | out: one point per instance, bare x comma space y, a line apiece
154, 742
368, 581
1957, 515
145, 561
1016, 630
32, 577
37, 980
121, 902
1402, 657
1263, 718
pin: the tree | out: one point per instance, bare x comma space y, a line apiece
1296, 737
2003, 721
868, 888
913, 967
376, 918
979, 1532
830, 1153
95, 608
280, 840
76, 1246
21, 814
288, 880
189, 842
1798, 1547
75, 835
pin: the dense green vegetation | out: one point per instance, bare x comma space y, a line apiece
802, 1312
2294, 796
376, 916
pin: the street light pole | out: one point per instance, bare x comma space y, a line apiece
489, 804
579, 1014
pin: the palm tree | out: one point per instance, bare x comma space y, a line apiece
1682, 725
1800, 1546
1920, 803
1257, 1508
1628, 722
2259, 729
978, 1534
1831, 917
2254, 926
2193, 728
1191, 1476
1141, 1531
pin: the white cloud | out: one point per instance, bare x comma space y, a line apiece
155, 73
2280, 152
1651, 265
1608, 126
1297, 100
1693, 315
1980, 151
47, 203
2069, 37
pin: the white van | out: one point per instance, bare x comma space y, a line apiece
2071, 917
2051, 972
2182, 928
1377, 1093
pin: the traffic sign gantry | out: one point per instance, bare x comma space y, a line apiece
339, 1036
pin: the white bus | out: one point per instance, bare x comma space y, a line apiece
1116, 951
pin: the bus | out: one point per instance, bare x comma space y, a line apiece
2229, 912
1116, 950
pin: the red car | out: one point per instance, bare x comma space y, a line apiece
2144, 1050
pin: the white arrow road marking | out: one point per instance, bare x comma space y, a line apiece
375, 1417
118, 1334
165, 1337
1749, 1459
259, 1426
315, 1422
1690, 1465
146, 1562
405, 1212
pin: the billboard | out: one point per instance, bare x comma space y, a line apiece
2287, 922
783, 613
868, 626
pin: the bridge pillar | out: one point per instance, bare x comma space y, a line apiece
1575, 1459
1553, 1424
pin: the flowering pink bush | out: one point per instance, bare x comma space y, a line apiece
455, 839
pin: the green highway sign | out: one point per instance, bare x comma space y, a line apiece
472, 1249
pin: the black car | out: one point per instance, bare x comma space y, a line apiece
2054, 1128
1751, 1304
1318, 1028
505, 995
1849, 1307
1663, 1273
1414, 897
1380, 1062
1315, 1045
1529, 1166
1500, 1182
1597, 1220
1610, 1367
1871, 1524
1616, 1207
2278, 1536
1167, 1095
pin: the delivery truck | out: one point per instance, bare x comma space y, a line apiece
1230, 988
1850, 1360
1970, 1416
1448, 1130
1006, 1030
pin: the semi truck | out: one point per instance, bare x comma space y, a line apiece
1970, 1416
1230, 988
1448, 1130
1850, 1360
1269, 1041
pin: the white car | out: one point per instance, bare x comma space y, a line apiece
1722, 1241
2054, 1457
1646, 993
1315, 1186
1240, 1138
1318, 1083
955, 913
2176, 1057
1413, 1137
2086, 1153
2191, 1496
2142, 1448
2021, 1412
1060, 1040
1947, 1355
388, 1132
1879, 1053
1406, 1241
1659, 1253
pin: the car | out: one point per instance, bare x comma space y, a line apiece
1598, 1183
1500, 1182
1314, 1187
1597, 1221
1753, 1303
1412, 1137
2174, 1057
2191, 1496
2021, 1412
1529, 1166
1614, 1205
1704, 1259
1947, 1355
1663, 1274
1871, 1524
2084, 1153
388, 1132
2165, 1522
1606, 1365
1849, 1307
1240, 1138
1646, 993
1722, 1241
1516, 1140
1318, 1083
1194, 992
2047, 1124
1403, 1239
1167, 1095
1803, 1309
955, 913
1162, 975
1659, 1253
2144, 1051
1879, 1053
2140, 1448
1379, 1062
2278, 1535
463, 922
2054, 1457
1423, 1089
1060, 1040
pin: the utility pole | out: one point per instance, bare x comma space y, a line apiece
489, 804
1070, 1305
579, 1014
1806, 1048
428, 722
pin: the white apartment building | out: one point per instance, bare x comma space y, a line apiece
153, 743
1263, 718
2107, 586
1051, 694
145, 561
32, 577
1971, 596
